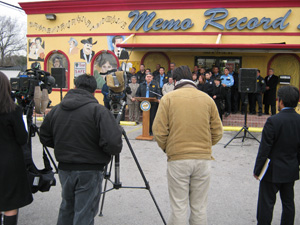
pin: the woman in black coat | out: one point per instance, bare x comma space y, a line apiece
15, 191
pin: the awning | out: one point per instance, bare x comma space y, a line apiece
266, 48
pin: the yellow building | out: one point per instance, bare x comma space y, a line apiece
80, 36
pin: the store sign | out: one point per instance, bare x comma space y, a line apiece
216, 16
79, 68
144, 20
242, 23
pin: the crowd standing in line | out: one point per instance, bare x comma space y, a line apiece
228, 99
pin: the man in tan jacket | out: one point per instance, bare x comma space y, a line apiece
133, 104
187, 142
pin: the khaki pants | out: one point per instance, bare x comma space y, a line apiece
188, 182
134, 111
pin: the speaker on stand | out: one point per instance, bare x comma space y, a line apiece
60, 79
247, 84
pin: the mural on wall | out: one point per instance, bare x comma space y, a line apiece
112, 41
36, 49
58, 60
103, 63
73, 43
86, 52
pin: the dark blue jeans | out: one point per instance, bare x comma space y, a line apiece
80, 196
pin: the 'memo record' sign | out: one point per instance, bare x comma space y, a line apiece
215, 18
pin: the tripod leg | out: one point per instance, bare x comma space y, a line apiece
233, 137
106, 177
252, 136
143, 175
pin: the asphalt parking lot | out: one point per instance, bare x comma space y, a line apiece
232, 195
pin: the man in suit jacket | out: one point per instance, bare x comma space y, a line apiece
281, 144
270, 94
148, 89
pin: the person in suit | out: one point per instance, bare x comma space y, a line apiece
280, 143
270, 94
119, 52
148, 89
133, 104
257, 96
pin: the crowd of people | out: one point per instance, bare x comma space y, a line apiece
223, 88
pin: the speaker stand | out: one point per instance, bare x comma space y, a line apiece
245, 127
61, 93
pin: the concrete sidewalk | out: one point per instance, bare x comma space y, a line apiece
232, 196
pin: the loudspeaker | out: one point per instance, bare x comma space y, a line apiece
60, 77
247, 80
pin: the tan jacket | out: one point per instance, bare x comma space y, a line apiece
187, 124
167, 88
133, 88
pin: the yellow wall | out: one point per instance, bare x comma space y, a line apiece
56, 34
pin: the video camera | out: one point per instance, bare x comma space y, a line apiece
116, 82
33, 83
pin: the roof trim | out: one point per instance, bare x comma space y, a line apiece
210, 46
68, 6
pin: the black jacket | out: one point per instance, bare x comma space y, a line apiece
141, 91
83, 133
140, 76
270, 95
281, 144
165, 79
261, 85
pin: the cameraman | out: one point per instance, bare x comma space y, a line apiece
84, 135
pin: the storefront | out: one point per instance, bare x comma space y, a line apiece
94, 36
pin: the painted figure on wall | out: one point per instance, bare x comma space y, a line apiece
86, 52
121, 53
36, 50
73, 50
58, 60
104, 63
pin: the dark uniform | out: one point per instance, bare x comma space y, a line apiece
164, 80
209, 87
257, 96
235, 95
270, 95
140, 76
219, 92
141, 92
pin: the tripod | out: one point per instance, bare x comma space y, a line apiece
245, 127
117, 184
32, 129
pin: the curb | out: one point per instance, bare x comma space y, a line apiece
251, 129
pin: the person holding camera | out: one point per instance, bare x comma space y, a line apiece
84, 135
15, 190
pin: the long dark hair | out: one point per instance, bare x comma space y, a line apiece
6, 103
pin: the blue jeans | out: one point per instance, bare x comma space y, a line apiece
81, 192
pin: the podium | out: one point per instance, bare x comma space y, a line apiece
145, 106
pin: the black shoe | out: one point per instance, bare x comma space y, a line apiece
137, 123
253, 113
266, 113
242, 113
150, 133
259, 114
227, 114
234, 112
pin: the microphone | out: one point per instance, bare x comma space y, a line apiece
155, 93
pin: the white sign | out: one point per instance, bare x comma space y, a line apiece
79, 68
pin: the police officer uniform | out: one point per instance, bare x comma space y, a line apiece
257, 96
228, 81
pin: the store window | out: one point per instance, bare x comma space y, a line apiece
209, 62
61, 75
104, 61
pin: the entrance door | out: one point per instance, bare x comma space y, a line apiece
221, 62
